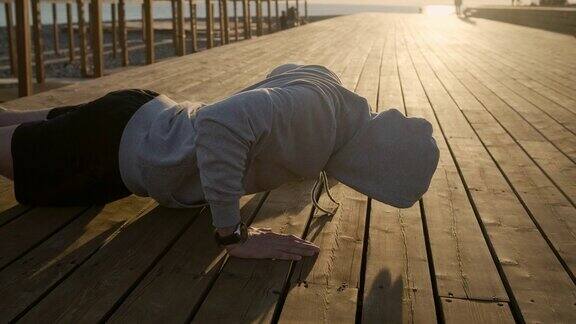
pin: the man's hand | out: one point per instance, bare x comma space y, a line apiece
262, 243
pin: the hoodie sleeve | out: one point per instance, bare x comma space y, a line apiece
227, 133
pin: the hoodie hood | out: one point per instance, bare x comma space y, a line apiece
391, 158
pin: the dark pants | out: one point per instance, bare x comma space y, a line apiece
71, 158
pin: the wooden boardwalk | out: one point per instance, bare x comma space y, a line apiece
493, 241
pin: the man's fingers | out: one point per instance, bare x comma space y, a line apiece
301, 244
297, 250
291, 238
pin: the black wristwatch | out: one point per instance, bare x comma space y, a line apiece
240, 235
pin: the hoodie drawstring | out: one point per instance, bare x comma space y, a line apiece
323, 181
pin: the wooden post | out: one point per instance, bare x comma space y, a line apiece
298, 12
174, 28
269, 20
149, 31
71, 46
236, 36
82, 38
287, 7
246, 18
123, 35
38, 41
97, 37
23, 41
226, 21
277, 20
113, 31
11, 38
143, 22
221, 21
209, 24
193, 34
55, 30
306, 9
181, 30
259, 17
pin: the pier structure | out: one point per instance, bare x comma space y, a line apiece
84, 18
492, 241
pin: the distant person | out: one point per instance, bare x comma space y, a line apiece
292, 16
458, 6
298, 123
283, 20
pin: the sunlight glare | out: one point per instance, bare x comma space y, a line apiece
439, 10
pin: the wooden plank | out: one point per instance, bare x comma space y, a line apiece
82, 38
187, 268
23, 48
51, 262
90, 292
550, 129
149, 31
522, 63
9, 207
556, 94
38, 42
181, 44
462, 263
97, 38
260, 282
555, 162
70, 27
470, 311
24, 233
515, 240
552, 211
325, 288
398, 284
11, 38
55, 30
123, 32
202, 268
546, 99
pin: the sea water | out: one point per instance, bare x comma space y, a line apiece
162, 10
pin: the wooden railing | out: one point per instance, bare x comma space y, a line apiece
27, 36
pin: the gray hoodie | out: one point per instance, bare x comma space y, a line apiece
291, 126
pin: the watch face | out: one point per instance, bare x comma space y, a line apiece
238, 236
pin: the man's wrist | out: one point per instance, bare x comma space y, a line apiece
225, 236
225, 231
